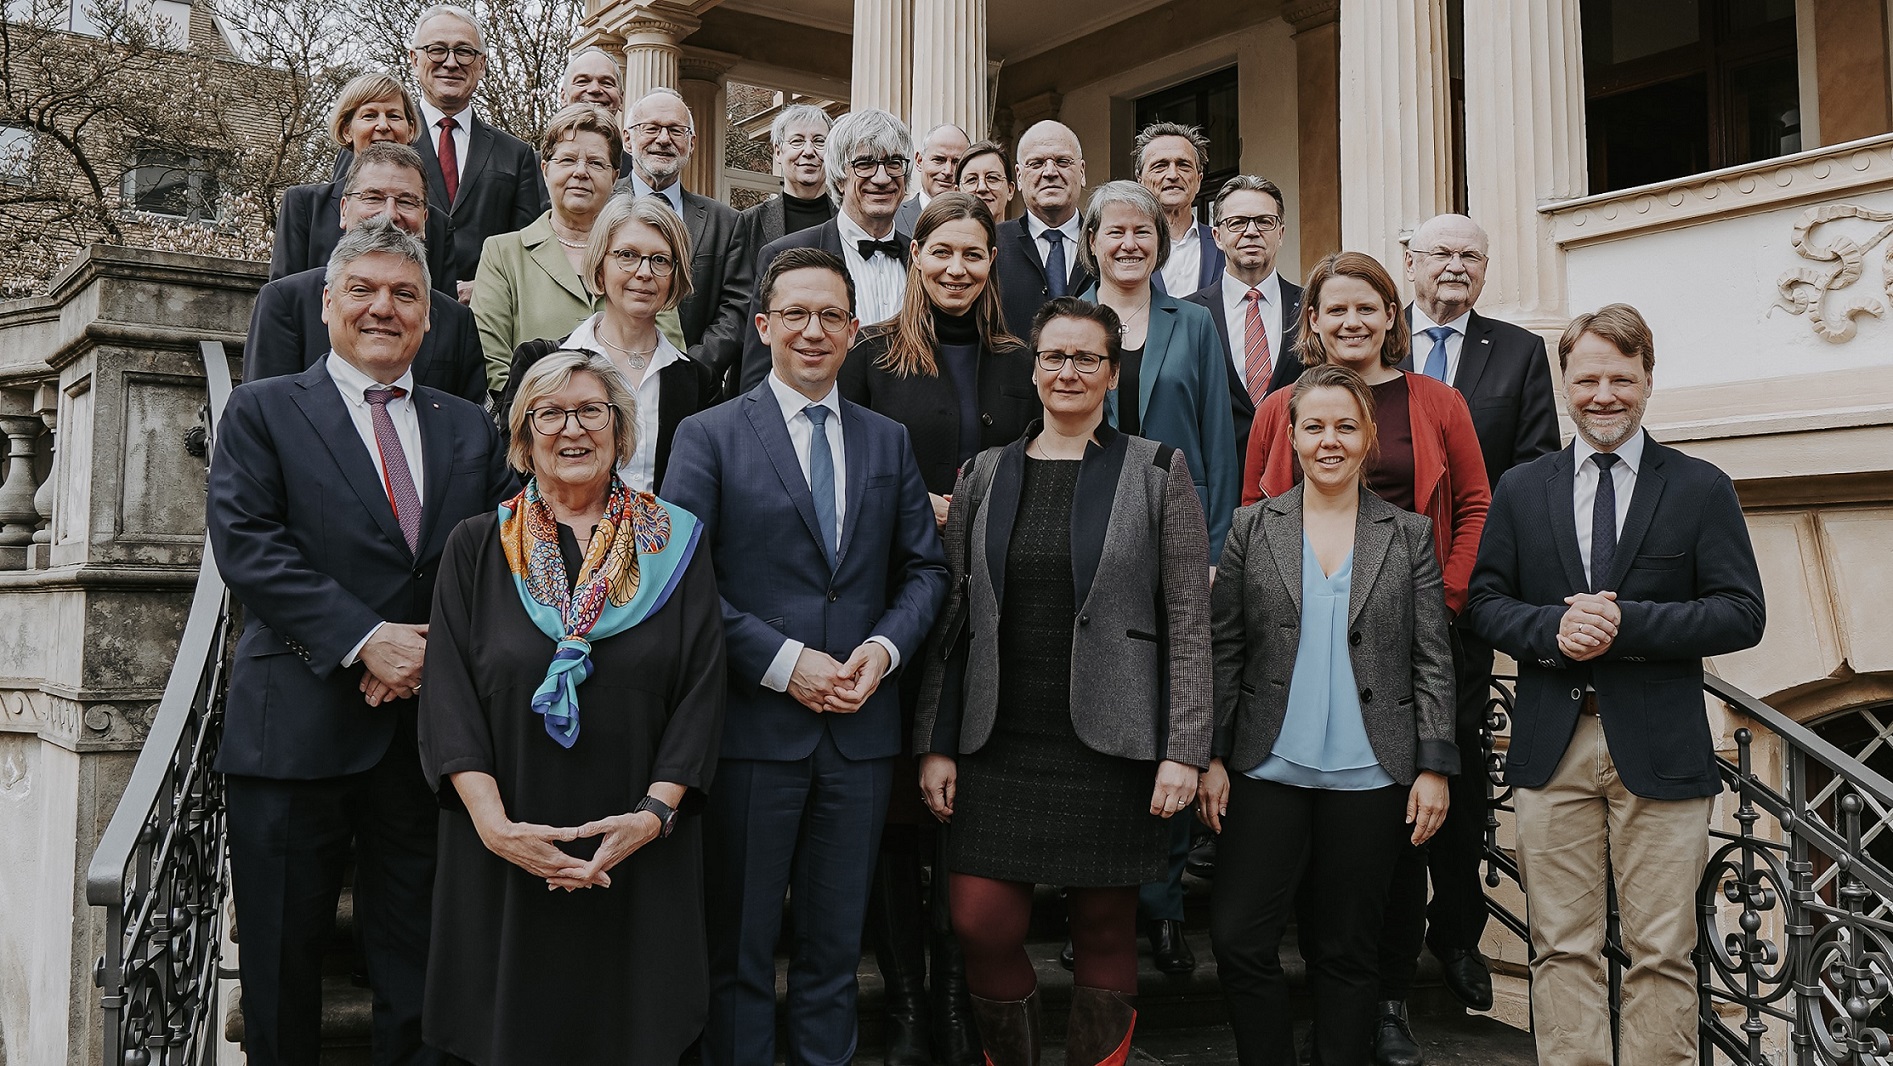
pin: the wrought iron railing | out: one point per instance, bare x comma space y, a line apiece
1795, 907
160, 869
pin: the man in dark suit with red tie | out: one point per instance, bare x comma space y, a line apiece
331, 495
1038, 251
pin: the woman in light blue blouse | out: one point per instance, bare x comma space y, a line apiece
1334, 727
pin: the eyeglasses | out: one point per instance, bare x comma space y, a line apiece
1442, 257
1060, 162
551, 421
438, 53
865, 167
833, 319
1239, 224
654, 129
801, 141
984, 181
661, 264
376, 200
1086, 362
571, 162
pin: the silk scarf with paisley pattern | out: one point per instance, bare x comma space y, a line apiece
635, 561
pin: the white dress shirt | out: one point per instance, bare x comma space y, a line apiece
1036, 227
1456, 340
640, 474
880, 283
463, 134
801, 435
1623, 478
352, 383
1236, 317
1185, 264
673, 194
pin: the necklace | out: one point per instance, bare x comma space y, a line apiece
638, 360
577, 246
1124, 327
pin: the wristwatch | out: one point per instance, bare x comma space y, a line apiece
666, 814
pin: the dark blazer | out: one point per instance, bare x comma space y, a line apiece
759, 226
1397, 643
826, 236
1287, 363
287, 336
1505, 376
684, 388
1140, 667
714, 315
734, 467
308, 543
929, 406
1021, 277
908, 214
501, 190
1209, 264
1686, 582
309, 226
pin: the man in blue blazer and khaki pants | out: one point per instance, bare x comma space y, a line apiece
831, 573
1609, 571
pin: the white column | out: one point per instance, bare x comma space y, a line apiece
883, 38
703, 85
651, 51
1524, 147
1396, 130
949, 52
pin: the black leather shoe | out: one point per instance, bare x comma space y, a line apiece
1393, 1037
1168, 949
1467, 977
1202, 858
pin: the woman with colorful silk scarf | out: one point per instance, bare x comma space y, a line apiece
570, 723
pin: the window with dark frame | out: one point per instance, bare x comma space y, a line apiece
16, 155
1208, 102
175, 184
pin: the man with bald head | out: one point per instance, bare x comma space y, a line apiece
593, 77
934, 163
1038, 251
1505, 375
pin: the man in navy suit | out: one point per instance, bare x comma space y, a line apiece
331, 495
1171, 161
1052, 181
1610, 570
287, 333
831, 573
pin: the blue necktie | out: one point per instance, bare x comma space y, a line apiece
821, 478
1603, 521
1055, 270
1436, 359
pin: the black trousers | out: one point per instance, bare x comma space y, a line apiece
1335, 850
1456, 917
290, 843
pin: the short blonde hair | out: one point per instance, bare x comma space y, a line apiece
553, 373
366, 89
574, 119
654, 211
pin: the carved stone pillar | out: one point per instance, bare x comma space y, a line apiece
949, 51
883, 47
703, 85
1396, 130
47, 405
651, 51
19, 514
1317, 125
1524, 147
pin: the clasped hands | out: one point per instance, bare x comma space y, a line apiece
393, 658
534, 848
1589, 625
822, 684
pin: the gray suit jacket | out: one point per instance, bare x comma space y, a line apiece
907, 214
1140, 665
1397, 641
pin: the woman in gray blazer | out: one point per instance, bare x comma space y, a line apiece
1064, 710
1334, 710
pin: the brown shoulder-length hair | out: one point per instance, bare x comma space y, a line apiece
1363, 267
910, 334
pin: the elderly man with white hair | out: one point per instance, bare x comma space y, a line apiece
797, 139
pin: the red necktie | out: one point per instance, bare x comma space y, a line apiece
395, 475
449, 158
1255, 349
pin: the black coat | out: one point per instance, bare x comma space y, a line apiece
827, 236
1021, 273
309, 226
1505, 375
1287, 363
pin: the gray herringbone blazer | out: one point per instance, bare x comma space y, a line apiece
1397, 638
1140, 665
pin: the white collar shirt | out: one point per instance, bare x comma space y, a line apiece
640, 474
1455, 341
463, 134
1185, 264
1236, 317
352, 383
1623, 479
880, 282
1037, 228
673, 194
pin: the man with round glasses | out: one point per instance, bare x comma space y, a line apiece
797, 140
1038, 258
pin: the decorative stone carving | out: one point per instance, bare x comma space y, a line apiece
43, 499
19, 515
1804, 289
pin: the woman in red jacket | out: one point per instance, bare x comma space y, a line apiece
1428, 457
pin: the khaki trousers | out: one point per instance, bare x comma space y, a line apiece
1581, 824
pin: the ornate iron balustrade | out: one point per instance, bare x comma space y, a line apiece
1795, 906
160, 870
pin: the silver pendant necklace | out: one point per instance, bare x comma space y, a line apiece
638, 360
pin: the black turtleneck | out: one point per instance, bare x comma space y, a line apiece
800, 214
957, 351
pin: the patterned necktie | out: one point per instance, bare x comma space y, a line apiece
1056, 272
1436, 359
449, 157
1603, 521
395, 475
821, 478
1255, 348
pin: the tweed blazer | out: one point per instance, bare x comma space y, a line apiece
1397, 640
1140, 666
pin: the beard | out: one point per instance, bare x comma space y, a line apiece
1606, 432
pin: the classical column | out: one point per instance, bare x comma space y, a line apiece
1524, 147
18, 512
949, 51
651, 52
702, 72
1396, 130
883, 37
47, 405
1317, 126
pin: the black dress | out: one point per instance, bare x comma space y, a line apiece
517, 973
1034, 803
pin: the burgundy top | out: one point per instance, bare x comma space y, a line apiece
1389, 468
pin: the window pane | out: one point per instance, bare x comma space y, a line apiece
1641, 28
1755, 14
171, 183
16, 155
1649, 134
1766, 102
